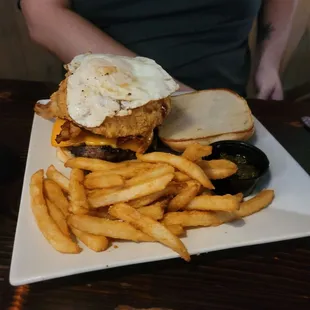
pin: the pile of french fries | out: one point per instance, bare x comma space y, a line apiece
152, 199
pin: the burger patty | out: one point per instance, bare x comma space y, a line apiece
102, 152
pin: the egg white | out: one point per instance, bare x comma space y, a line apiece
102, 85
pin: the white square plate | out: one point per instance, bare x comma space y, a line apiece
288, 217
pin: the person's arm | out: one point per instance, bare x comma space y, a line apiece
274, 26
53, 25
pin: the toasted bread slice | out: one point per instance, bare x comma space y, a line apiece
206, 117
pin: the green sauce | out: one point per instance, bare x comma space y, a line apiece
245, 170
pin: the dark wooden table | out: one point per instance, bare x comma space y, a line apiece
272, 276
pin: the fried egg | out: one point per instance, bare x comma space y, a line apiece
102, 85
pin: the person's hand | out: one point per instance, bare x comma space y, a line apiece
268, 83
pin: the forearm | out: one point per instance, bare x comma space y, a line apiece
66, 34
274, 26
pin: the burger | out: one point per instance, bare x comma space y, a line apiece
108, 106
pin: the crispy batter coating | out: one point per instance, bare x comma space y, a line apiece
142, 120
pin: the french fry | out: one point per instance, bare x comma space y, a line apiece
90, 164
205, 218
191, 218
54, 193
46, 224
181, 177
155, 211
104, 181
177, 230
225, 217
153, 198
150, 227
163, 203
58, 217
108, 228
154, 173
131, 193
99, 173
207, 192
101, 212
218, 168
239, 196
99, 192
78, 199
148, 199
53, 174
255, 204
226, 203
185, 196
180, 163
95, 243
196, 151
132, 161
171, 189
127, 172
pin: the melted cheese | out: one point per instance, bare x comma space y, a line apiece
132, 145
91, 139
84, 138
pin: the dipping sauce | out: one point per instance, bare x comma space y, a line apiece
250, 160
245, 169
